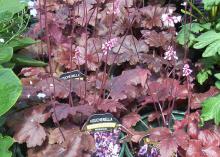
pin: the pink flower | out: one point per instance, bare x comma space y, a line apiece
108, 45
115, 8
186, 70
31, 6
77, 52
169, 20
170, 54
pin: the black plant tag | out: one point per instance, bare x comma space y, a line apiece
73, 74
101, 122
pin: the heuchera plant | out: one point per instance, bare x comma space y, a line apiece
134, 69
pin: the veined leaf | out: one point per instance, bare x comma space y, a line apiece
212, 49
202, 76
14, 6
6, 54
211, 109
217, 76
210, 35
19, 43
185, 37
5, 143
217, 84
27, 61
5, 16
10, 89
208, 4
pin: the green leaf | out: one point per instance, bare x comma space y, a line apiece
202, 76
194, 27
217, 26
217, 75
217, 84
206, 25
6, 54
5, 143
19, 43
10, 89
5, 16
27, 61
212, 49
208, 4
9, 65
206, 38
211, 109
185, 37
209, 62
14, 6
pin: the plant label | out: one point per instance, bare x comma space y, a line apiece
76, 74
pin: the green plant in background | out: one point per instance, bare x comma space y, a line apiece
204, 34
14, 20
211, 109
5, 143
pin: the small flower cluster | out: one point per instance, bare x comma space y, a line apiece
169, 20
148, 151
31, 6
116, 9
107, 144
108, 45
170, 54
77, 53
186, 70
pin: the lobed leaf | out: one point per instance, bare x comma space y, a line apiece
211, 109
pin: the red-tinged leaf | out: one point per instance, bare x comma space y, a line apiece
181, 138
54, 150
155, 39
211, 151
130, 119
56, 135
127, 49
154, 63
26, 125
193, 129
31, 71
194, 149
168, 147
155, 115
125, 85
159, 133
109, 105
137, 136
50, 85
86, 15
86, 110
60, 111
169, 142
76, 145
209, 138
198, 98
165, 89
192, 118
62, 56
151, 16
89, 52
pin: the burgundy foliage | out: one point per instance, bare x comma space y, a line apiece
129, 78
